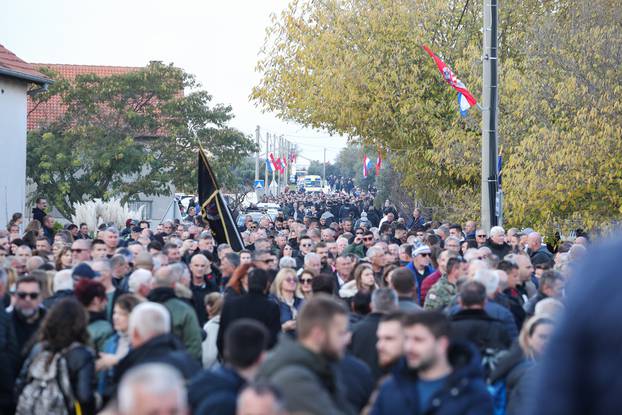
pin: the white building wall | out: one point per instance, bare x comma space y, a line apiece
12, 147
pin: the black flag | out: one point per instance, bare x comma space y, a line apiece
214, 208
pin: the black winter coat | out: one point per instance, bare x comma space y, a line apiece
165, 348
9, 361
256, 306
480, 329
215, 391
364, 339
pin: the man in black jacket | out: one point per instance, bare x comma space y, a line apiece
38, 213
364, 337
202, 283
27, 312
152, 342
216, 391
9, 354
472, 323
255, 305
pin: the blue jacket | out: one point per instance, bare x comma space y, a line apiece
464, 391
286, 312
418, 278
105, 377
215, 391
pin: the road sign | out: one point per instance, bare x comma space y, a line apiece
259, 184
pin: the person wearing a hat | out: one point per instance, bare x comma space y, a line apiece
83, 270
420, 266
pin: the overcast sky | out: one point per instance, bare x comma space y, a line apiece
217, 41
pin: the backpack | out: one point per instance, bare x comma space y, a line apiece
47, 388
498, 393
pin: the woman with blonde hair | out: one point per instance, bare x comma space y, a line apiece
519, 367
213, 306
286, 293
362, 281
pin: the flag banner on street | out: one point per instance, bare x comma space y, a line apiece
465, 99
378, 163
214, 208
269, 166
367, 166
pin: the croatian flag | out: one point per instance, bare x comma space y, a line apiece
275, 166
465, 99
367, 166
378, 164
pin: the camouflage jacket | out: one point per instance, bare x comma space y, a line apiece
440, 295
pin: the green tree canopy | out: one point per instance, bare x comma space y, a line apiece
128, 134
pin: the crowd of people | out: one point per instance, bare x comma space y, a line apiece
335, 306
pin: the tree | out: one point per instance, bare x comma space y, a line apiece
356, 68
128, 134
565, 172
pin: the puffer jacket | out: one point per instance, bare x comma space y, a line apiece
308, 381
464, 391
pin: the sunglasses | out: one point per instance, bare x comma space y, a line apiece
23, 295
306, 280
481, 236
425, 255
368, 238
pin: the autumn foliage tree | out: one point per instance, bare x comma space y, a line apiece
357, 68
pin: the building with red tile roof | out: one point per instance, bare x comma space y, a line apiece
42, 113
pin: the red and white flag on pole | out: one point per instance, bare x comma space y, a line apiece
465, 99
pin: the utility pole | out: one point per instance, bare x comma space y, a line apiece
324, 169
257, 154
490, 102
266, 185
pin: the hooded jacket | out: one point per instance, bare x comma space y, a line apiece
215, 391
309, 381
183, 319
464, 391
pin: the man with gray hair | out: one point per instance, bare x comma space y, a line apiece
497, 243
152, 342
139, 283
152, 388
184, 320
313, 262
364, 337
537, 251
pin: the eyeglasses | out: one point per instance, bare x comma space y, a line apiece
481, 236
23, 295
290, 279
306, 280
